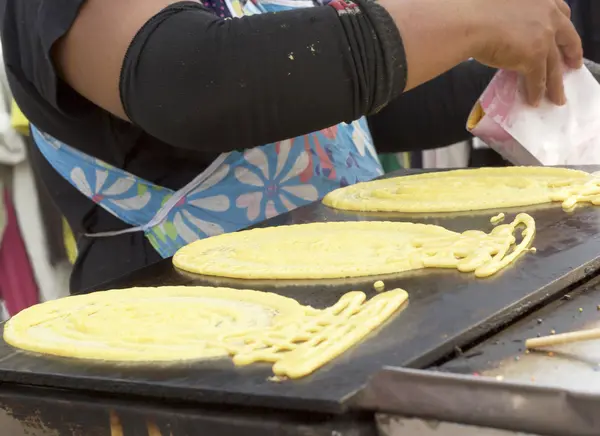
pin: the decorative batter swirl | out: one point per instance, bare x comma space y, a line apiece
168, 324
469, 190
354, 249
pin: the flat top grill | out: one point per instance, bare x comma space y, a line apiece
447, 309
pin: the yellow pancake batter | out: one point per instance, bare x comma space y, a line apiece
467, 190
187, 323
353, 249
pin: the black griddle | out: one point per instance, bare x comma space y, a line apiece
447, 310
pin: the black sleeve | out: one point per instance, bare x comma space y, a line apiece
29, 30
594, 68
196, 81
591, 48
432, 115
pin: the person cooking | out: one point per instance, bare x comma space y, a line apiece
159, 122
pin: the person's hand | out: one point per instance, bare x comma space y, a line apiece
533, 37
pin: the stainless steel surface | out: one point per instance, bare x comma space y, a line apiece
571, 366
498, 384
484, 402
393, 425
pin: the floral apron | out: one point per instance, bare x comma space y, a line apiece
238, 189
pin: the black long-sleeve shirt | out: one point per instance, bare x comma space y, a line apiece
586, 17
167, 72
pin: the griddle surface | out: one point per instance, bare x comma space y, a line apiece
447, 309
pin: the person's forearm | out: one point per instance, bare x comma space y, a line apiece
436, 36
432, 115
194, 80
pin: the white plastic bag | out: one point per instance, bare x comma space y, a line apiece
546, 135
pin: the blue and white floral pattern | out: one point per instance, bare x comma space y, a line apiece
244, 189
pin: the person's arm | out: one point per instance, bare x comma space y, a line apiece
194, 80
197, 81
265, 78
432, 115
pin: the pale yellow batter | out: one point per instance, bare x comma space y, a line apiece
379, 285
498, 218
468, 190
187, 323
353, 249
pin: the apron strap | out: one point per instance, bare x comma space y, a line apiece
162, 213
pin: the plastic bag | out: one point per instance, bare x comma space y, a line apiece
546, 135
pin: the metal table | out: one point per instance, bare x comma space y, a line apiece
448, 313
